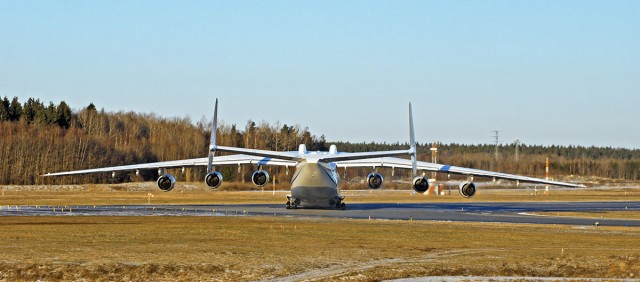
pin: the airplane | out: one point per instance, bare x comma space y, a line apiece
316, 180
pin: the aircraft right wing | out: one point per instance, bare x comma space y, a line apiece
427, 166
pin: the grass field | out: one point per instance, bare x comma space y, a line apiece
250, 248
293, 249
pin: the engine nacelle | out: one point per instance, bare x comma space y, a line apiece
467, 189
166, 182
213, 179
375, 180
420, 184
260, 178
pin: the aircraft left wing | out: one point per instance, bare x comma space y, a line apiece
218, 161
427, 166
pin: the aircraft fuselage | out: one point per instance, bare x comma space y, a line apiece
315, 185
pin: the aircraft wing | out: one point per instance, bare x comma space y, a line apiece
363, 155
217, 161
290, 156
405, 163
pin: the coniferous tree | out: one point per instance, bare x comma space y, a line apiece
15, 110
50, 114
33, 110
63, 115
4, 109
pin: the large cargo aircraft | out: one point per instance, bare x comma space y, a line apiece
315, 181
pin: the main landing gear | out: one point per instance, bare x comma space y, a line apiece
292, 203
340, 205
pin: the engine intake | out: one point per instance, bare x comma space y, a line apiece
420, 184
166, 182
375, 180
213, 179
260, 178
467, 189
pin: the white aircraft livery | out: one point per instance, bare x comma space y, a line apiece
315, 181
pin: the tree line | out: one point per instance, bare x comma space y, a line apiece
36, 138
34, 111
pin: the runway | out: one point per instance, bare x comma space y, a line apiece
508, 212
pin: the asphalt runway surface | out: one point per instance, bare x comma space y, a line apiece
509, 212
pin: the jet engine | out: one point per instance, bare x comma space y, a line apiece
260, 178
420, 184
213, 179
374, 180
467, 189
166, 182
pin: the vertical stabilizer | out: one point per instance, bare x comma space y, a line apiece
413, 148
213, 145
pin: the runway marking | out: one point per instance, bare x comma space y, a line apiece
531, 214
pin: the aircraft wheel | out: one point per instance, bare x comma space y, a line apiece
342, 206
291, 205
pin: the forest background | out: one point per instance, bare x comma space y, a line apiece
36, 138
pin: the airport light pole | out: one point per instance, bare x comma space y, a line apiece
546, 177
434, 159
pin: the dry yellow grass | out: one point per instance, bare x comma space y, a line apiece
249, 248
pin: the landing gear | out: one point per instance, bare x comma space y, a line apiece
292, 203
290, 206
341, 205
335, 203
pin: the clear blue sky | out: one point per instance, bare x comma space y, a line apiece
546, 72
